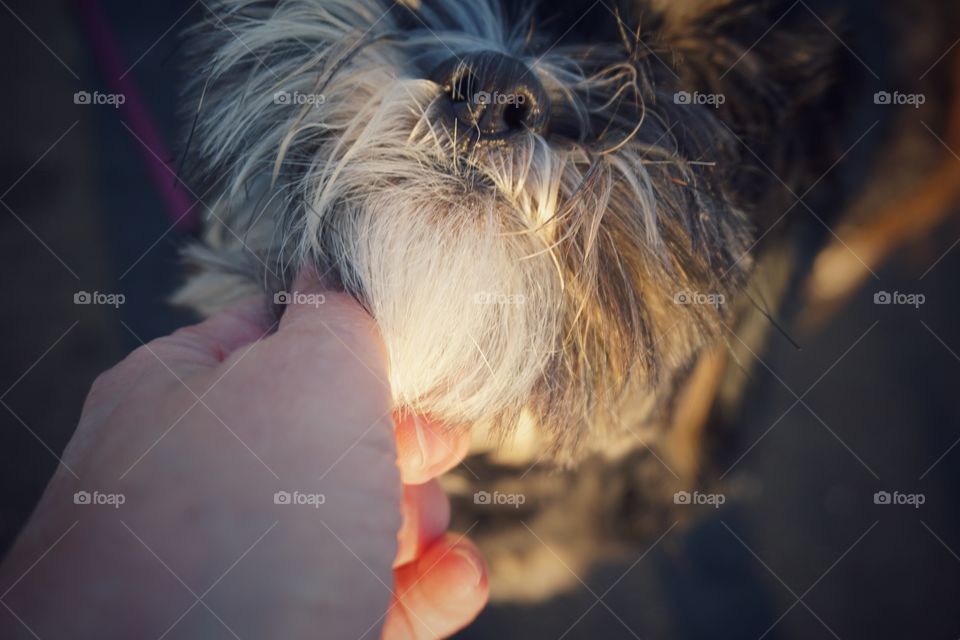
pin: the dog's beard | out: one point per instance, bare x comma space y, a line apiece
539, 275
460, 278
468, 314
464, 296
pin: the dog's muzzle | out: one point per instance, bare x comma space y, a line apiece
493, 95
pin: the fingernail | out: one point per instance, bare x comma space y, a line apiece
422, 449
433, 446
307, 279
472, 567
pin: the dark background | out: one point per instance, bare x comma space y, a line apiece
80, 213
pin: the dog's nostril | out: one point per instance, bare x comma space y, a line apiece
493, 95
515, 116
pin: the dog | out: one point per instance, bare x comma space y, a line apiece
557, 213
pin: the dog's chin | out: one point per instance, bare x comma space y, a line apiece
469, 308
449, 251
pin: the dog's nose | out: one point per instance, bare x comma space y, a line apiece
493, 94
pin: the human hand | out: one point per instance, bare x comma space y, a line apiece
193, 435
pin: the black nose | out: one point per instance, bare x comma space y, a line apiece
492, 94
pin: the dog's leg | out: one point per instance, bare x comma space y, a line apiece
684, 440
843, 265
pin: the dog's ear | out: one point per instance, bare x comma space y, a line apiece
770, 70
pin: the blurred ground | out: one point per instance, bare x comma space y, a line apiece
800, 550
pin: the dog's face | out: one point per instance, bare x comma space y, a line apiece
538, 222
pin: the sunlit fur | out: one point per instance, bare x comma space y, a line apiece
540, 275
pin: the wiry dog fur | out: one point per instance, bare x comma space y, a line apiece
538, 277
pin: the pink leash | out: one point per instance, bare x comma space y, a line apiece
179, 204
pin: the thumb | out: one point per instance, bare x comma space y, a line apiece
314, 312
307, 294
